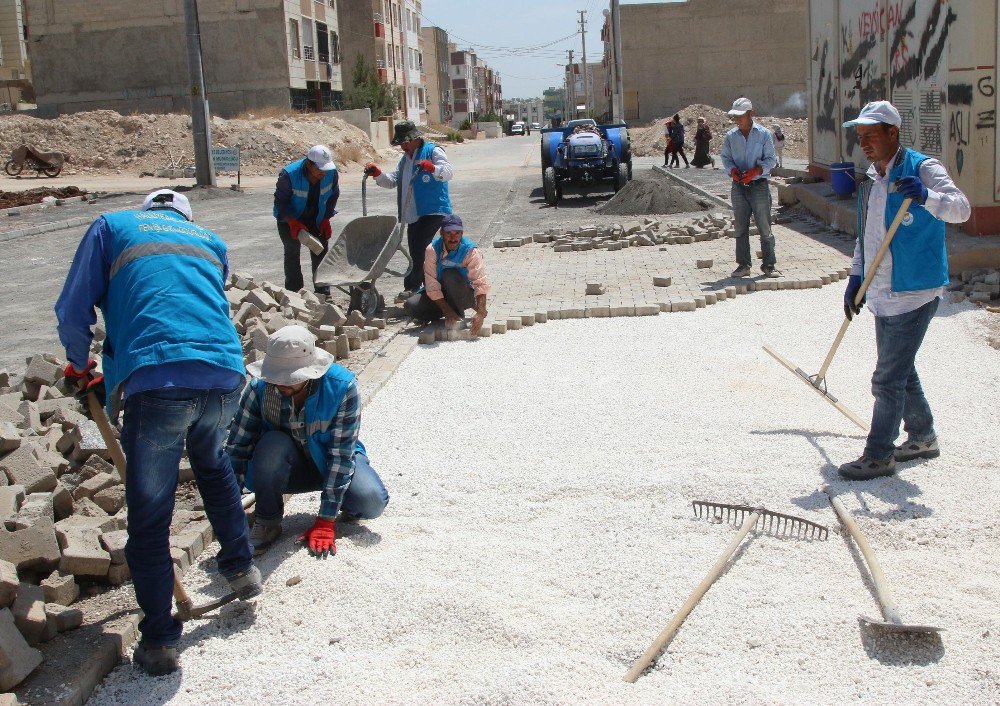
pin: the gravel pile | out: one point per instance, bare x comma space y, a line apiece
652, 195
540, 533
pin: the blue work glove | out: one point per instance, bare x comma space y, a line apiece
912, 188
853, 285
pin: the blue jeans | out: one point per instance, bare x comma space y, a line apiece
157, 424
897, 390
755, 200
280, 467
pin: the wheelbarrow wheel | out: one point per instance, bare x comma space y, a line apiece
12, 167
365, 298
51, 171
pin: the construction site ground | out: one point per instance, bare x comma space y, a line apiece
529, 564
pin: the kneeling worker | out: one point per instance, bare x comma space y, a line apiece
454, 279
296, 431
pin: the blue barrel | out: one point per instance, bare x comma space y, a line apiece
842, 178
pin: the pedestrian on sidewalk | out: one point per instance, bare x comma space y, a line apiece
702, 143
425, 166
296, 431
779, 144
305, 199
454, 279
668, 142
677, 137
748, 156
173, 361
907, 287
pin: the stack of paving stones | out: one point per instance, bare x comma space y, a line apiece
62, 503
979, 286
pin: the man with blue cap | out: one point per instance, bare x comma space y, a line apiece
906, 288
454, 279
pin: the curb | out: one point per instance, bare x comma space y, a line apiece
691, 187
46, 228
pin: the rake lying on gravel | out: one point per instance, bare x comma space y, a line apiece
818, 381
765, 521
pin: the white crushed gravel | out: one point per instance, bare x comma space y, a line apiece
540, 534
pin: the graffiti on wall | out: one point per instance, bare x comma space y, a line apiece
969, 126
826, 94
923, 62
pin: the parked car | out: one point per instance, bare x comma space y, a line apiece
517, 128
536, 126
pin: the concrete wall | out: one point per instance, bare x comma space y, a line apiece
936, 60
357, 37
711, 52
131, 56
13, 53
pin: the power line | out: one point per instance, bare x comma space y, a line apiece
490, 47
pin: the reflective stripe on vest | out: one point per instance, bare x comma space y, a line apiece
134, 252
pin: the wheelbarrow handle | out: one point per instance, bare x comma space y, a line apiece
364, 195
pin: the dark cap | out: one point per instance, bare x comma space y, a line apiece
404, 132
452, 222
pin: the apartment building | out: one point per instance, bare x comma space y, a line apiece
464, 85
586, 97
15, 69
256, 53
440, 101
553, 102
529, 110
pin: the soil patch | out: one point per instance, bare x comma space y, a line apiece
12, 199
652, 195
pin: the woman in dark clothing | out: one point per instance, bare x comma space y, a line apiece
702, 141
677, 137
668, 149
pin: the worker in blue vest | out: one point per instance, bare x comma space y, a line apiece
305, 199
425, 166
907, 286
296, 431
173, 362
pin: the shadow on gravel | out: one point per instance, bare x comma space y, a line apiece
896, 650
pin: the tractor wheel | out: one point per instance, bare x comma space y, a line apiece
630, 170
12, 167
551, 186
364, 298
546, 157
621, 177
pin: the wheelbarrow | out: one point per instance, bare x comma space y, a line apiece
361, 255
47, 163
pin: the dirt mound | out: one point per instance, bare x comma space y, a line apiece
643, 196
648, 141
103, 141
11, 199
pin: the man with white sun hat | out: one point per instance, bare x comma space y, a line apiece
296, 431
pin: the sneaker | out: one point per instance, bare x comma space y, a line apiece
263, 536
246, 583
770, 271
918, 449
867, 468
741, 271
156, 661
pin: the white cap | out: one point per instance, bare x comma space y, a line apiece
741, 106
877, 112
321, 156
165, 198
291, 357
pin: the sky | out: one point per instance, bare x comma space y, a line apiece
505, 34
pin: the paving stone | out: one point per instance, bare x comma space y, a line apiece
10, 438
36, 507
710, 298
485, 332
60, 588
22, 467
647, 310
528, 320
595, 288
180, 558
33, 548
8, 583
600, 312
17, 658
11, 497
499, 327
103, 523
621, 311
704, 264
118, 574
42, 372
426, 338
63, 618
343, 347
662, 281
29, 612
513, 324
553, 314
541, 317
93, 485
82, 554
111, 499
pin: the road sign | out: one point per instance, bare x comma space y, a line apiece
226, 159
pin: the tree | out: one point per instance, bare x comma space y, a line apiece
367, 91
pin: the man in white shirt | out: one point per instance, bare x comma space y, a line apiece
426, 167
907, 287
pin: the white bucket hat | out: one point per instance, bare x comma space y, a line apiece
291, 357
741, 106
165, 198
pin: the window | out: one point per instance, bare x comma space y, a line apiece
308, 39
293, 39
334, 47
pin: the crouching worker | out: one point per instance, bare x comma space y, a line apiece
296, 431
454, 279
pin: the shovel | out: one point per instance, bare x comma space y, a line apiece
818, 381
890, 612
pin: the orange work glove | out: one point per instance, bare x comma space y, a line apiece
734, 173
371, 169
294, 226
325, 229
426, 165
320, 538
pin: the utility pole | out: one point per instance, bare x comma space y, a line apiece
571, 88
201, 126
583, 36
616, 35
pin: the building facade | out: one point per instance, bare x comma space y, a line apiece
464, 85
587, 98
440, 102
15, 69
314, 68
528, 110
554, 103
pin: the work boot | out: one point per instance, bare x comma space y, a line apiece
867, 468
741, 271
246, 584
263, 536
404, 295
770, 271
156, 661
918, 449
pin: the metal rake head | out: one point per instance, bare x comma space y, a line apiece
769, 522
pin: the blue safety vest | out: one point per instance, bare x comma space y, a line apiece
322, 407
919, 255
165, 300
430, 196
296, 172
454, 259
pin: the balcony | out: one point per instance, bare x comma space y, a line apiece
383, 75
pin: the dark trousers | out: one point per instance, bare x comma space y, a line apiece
293, 257
419, 235
679, 151
457, 292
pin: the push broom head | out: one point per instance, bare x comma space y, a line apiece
769, 522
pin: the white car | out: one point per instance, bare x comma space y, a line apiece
536, 126
517, 129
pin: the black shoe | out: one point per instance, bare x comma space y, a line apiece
247, 584
770, 271
156, 661
741, 271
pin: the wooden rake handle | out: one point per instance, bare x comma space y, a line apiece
859, 297
668, 632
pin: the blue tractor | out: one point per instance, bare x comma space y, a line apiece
586, 154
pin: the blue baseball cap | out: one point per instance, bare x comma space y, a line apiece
451, 222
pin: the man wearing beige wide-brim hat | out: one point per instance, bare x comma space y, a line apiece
296, 431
